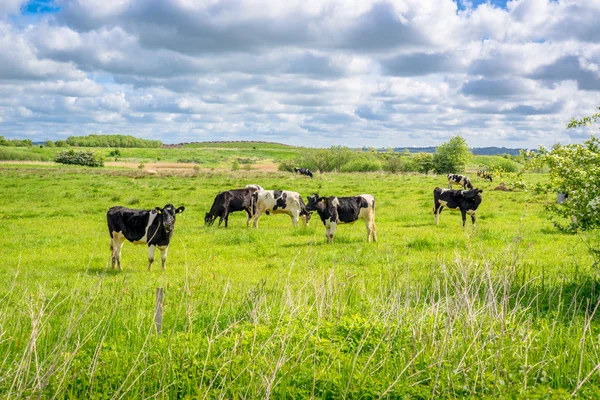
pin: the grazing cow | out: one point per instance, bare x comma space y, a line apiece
231, 201
344, 210
279, 202
464, 181
485, 175
303, 171
152, 227
465, 200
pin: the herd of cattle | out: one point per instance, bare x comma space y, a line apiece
155, 227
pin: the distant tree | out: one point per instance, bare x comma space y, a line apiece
111, 141
451, 156
49, 143
61, 143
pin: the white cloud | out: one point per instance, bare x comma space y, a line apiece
397, 72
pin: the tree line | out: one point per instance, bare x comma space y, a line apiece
450, 157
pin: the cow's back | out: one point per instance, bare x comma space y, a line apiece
131, 223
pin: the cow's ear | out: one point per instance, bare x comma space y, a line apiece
180, 210
158, 210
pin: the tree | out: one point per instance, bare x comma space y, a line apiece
424, 162
451, 156
575, 172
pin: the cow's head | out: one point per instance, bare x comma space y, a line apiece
473, 195
313, 202
209, 219
166, 216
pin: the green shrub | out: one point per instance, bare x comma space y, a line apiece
286, 165
86, 158
362, 165
235, 165
8, 154
15, 142
61, 143
111, 141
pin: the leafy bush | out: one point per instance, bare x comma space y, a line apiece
115, 153
7, 154
86, 158
235, 165
15, 142
362, 165
424, 162
111, 141
49, 143
286, 166
61, 143
451, 156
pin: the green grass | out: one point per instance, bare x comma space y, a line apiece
502, 310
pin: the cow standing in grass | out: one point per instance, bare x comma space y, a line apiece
466, 201
303, 171
461, 180
485, 175
279, 202
152, 227
231, 201
344, 210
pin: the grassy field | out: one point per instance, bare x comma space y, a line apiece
503, 310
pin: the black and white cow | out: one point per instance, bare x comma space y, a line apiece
344, 210
466, 201
152, 227
455, 179
231, 201
485, 175
303, 171
279, 202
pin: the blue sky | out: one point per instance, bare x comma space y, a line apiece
311, 72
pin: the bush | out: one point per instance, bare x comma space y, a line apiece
86, 158
7, 154
61, 143
49, 143
15, 142
235, 165
286, 166
362, 165
115, 153
451, 156
111, 141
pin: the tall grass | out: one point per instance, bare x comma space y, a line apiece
472, 329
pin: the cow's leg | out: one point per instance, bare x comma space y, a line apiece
295, 215
436, 213
256, 217
473, 218
226, 219
163, 256
330, 232
113, 248
250, 217
116, 245
464, 217
151, 249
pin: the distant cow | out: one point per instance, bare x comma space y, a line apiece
303, 171
152, 227
344, 210
465, 200
455, 179
485, 175
279, 202
231, 201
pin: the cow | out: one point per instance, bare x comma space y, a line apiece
303, 171
152, 227
231, 201
279, 202
465, 200
455, 179
485, 175
344, 210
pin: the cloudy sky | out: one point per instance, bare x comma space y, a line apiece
307, 72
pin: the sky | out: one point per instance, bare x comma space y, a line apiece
315, 73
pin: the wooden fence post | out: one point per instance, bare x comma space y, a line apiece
158, 311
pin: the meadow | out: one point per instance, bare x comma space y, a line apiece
505, 309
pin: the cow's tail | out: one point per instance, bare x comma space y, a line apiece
253, 201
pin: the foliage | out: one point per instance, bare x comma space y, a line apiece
235, 165
61, 143
49, 143
8, 154
424, 162
15, 142
494, 163
575, 171
585, 121
451, 156
86, 158
111, 141
115, 153
362, 164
